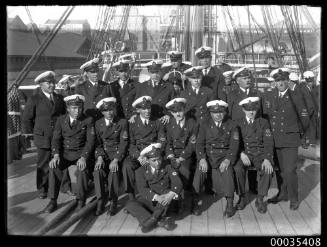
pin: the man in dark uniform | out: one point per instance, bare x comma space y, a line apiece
111, 147
196, 94
92, 88
213, 77
256, 149
230, 84
158, 90
158, 185
311, 101
123, 89
72, 144
217, 148
222, 65
245, 89
143, 131
288, 119
39, 117
181, 135
169, 70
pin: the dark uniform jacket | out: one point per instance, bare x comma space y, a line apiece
112, 140
39, 117
148, 184
73, 143
142, 136
236, 96
92, 96
288, 117
256, 139
215, 80
309, 99
196, 103
161, 95
125, 97
181, 141
215, 143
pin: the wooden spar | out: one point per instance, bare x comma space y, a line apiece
22, 75
187, 40
58, 218
197, 32
74, 218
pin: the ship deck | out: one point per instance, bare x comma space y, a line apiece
25, 216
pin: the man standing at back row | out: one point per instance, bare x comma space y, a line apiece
39, 117
212, 76
289, 119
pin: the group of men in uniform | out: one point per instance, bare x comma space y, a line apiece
169, 135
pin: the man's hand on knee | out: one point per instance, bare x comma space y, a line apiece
54, 162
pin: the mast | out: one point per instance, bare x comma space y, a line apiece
197, 31
187, 40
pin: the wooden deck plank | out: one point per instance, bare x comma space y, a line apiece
283, 225
129, 226
312, 220
296, 220
199, 224
233, 224
249, 221
216, 222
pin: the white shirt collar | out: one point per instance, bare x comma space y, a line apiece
122, 83
71, 119
107, 121
218, 124
282, 93
46, 94
195, 89
143, 120
245, 90
293, 88
181, 122
93, 83
206, 69
248, 119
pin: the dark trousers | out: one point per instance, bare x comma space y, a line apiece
263, 178
42, 172
129, 166
221, 181
113, 182
186, 172
286, 158
56, 176
143, 209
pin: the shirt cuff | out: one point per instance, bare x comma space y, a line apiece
155, 197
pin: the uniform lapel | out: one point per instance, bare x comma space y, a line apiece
45, 100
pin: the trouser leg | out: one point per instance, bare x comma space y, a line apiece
289, 164
199, 179
65, 182
240, 177
55, 178
42, 170
129, 167
113, 185
82, 184
99, 177
225, 179
280, 175
263, 178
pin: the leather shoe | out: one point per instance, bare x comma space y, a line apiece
277, 198
99, 209
241, 203
294, 205
166, 223
196, 208
149, 224
52, 206
43, 195
113, 208
80, 205
229, 210
260, 205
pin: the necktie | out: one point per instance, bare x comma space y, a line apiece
51, 100
73, 124
146, 122
251, 121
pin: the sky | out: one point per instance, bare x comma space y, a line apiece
40, 14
